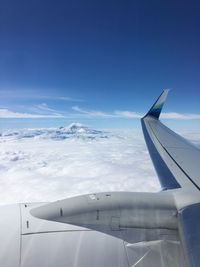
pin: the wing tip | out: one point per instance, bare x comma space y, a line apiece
156, 109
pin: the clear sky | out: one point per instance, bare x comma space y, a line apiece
98, 62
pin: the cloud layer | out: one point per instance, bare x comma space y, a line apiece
46, 169
44, 111
8, 114
132, 114
33, 169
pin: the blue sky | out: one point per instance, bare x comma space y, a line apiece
98, 62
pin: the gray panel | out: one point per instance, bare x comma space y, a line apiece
153, 247
166, 178
189, 223
10, 229
184, 153
78, 249
179, 156
156, 253
168, 138
175, 159
125, 248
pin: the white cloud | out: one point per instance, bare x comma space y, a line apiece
180, 116
35, 169
46, 170
34, 94
6, 113
133, 114
128, 114
61, 98
44, 111
93, 113
45, 107
114, 114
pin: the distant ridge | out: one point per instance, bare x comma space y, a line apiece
74, 130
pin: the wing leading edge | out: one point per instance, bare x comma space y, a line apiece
175, 159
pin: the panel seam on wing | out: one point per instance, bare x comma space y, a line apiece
165, 149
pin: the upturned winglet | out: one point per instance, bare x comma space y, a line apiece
156, 109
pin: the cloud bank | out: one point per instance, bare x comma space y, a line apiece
8, 114
47, 169
133, 114
180, 116
44, 111
35, 169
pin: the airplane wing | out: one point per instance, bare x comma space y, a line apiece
177, 163
175, 159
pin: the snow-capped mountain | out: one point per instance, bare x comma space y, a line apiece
78, 128
74, 130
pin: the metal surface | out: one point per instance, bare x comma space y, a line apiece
189, 224
10, 236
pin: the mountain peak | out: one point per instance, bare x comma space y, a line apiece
76, 127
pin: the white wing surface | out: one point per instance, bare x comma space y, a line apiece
175, 159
